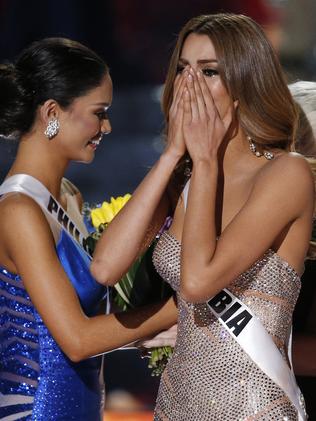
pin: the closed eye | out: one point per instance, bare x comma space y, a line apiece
102, 115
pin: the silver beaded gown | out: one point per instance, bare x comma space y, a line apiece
209, 377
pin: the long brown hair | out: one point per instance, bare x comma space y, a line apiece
251, 73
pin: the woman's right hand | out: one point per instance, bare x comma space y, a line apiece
203, 127
175, 141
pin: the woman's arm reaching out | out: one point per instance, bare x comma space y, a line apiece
28, 240
123, 240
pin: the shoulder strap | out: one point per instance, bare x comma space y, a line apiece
54, 212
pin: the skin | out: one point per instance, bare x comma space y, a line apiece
26, 233
261, 194
244, 197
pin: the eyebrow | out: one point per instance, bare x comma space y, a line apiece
102, 104
207, 60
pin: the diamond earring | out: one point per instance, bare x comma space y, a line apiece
187, 169
252, 146
52, 128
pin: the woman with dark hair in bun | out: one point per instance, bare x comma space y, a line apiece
55, 100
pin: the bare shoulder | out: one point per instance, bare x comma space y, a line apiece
287, 183
289, 170
14, 203
19, 211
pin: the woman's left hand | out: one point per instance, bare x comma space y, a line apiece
164, 338
204, 129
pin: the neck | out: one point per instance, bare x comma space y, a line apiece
40, 160
235, 150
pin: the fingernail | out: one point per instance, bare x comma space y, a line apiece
190, 78
199, 73
191, 71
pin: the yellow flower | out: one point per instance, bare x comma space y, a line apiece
96, 217
107, 211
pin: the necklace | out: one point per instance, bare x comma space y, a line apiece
252, 146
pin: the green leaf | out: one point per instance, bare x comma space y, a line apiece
142, 284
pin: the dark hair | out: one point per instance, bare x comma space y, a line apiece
251, 73
52, 68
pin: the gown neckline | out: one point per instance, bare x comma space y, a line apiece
270, 252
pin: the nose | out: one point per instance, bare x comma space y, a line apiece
106, 127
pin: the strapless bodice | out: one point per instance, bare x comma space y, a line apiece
38, 381
209, 376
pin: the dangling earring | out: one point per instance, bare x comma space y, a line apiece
252, 146
187, 168
52, 128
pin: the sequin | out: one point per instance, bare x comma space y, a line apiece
209, 377
37, 380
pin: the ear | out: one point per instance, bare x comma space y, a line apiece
50, 109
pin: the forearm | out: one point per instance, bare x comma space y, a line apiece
121, 242
107, 332
199, 224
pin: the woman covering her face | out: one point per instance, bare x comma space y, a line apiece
236, 247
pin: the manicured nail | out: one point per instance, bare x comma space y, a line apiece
191, 71
190, 78
199, 74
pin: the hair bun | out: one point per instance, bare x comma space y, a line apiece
13, 101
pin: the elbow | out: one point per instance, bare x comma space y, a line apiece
191, 290
74, 350
100, 272
190, 296
75, 357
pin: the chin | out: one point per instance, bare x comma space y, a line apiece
84, 158
84, 161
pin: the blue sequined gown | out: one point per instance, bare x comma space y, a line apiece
37, 380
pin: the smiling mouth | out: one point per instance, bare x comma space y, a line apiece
93, 144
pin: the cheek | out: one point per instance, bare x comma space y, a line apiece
83, 123
220, 96
86, 124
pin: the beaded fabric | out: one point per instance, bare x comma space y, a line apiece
209, 377
37, 380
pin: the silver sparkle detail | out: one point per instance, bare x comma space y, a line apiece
52, 128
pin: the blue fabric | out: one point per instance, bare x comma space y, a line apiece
44, 383
76, 264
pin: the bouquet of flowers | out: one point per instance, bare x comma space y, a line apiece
141, 285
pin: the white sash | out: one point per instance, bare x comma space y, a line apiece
54, 212
247, 330
30, 186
